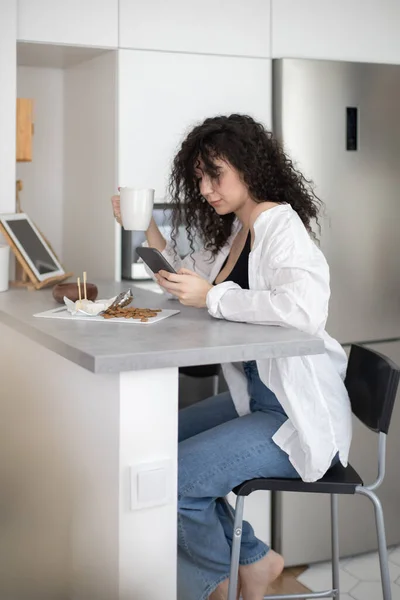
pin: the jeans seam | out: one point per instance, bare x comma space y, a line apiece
186, 547
223, 467
232, 462
211, 587
256, 558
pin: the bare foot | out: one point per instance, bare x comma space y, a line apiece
257, 577
221, 592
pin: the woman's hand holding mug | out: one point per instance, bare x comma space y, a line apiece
133, 208
116, 206
125, 214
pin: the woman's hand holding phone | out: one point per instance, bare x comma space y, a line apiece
186, 285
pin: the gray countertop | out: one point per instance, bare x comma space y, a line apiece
189, 338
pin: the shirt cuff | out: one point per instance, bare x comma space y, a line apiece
214, 297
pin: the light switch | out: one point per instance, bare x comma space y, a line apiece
151, 484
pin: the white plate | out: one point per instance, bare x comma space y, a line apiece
62, 313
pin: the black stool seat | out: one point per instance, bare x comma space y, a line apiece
200, 371
338, 480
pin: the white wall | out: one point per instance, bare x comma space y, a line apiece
42, 196
8, 31
89, 231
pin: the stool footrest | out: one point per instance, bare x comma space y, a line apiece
306, 596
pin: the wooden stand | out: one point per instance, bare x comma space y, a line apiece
28, 279
31, 286
24, 274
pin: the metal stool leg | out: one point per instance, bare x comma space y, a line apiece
235, 556
215, 384
335, 544
382, 548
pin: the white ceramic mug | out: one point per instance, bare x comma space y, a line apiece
4, 267
136, 208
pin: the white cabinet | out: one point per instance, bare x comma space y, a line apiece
162, 95
234, 27
80, 22
358, 30
8, 84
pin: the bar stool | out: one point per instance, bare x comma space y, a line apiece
203, 371
372, 380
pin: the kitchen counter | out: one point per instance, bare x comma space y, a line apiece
190, 338
86, 409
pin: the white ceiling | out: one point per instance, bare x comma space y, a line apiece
54, 56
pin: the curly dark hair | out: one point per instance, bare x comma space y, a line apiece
266, 170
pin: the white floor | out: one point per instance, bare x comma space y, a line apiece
359, 577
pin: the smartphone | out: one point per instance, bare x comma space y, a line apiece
154, 260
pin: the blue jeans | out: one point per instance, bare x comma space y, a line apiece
217, 451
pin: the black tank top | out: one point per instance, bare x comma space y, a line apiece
240, 272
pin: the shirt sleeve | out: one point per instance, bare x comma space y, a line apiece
298, 296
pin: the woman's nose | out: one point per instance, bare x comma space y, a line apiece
205, 186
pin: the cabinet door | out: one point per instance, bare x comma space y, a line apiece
235, 27
359, 30
80, 22
162, 95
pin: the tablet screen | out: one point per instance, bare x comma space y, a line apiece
33, 246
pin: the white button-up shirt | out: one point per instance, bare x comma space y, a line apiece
289, 287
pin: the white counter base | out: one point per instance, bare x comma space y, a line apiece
68, 438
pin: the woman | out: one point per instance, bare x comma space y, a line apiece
236, 192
